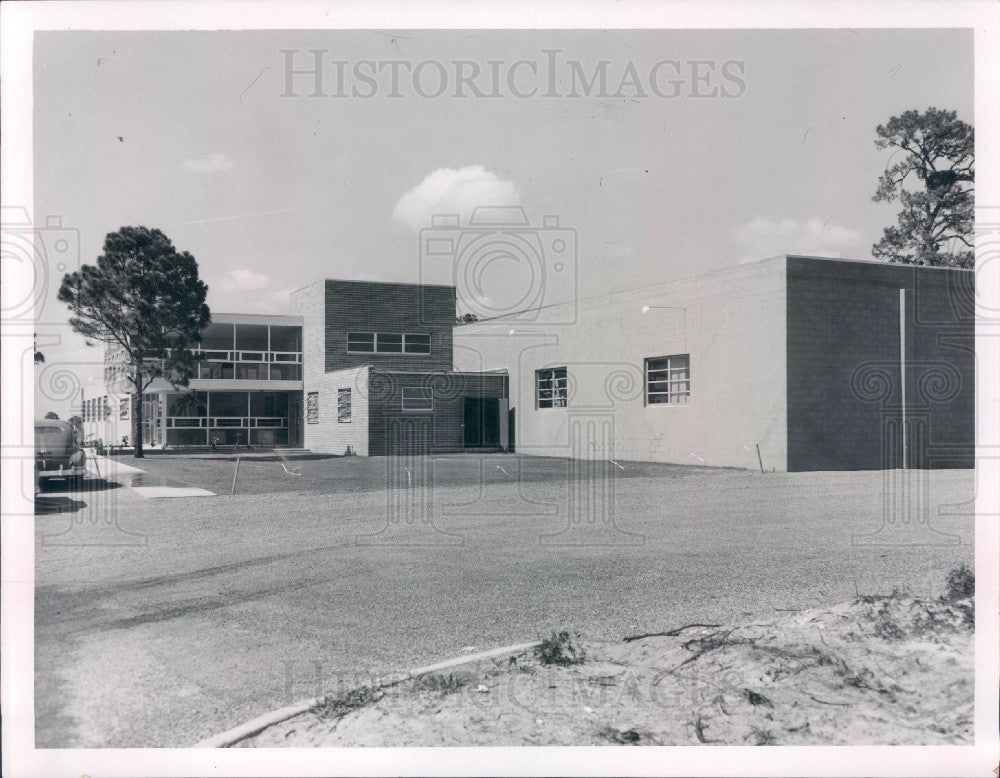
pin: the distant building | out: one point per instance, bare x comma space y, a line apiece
248, 390
791, 363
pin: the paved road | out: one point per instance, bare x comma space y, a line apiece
162, 621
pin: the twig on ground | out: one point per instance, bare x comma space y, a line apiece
716, 642
699, 730
827, 702
671, 633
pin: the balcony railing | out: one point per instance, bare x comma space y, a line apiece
212, 355
222, 422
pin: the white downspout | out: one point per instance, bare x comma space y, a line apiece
902, 370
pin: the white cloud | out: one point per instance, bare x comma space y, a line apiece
761, 238
246, 291
244, 278
213, 162
450, 191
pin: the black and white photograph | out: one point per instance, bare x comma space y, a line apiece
567, 389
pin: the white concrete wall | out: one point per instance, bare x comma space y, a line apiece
733, 325
112, 429
328, 436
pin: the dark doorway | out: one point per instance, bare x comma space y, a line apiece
482, 422
294, 419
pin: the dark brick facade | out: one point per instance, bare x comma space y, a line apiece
362, 306
843, 366
395, 431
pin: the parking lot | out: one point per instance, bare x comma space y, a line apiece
162, 621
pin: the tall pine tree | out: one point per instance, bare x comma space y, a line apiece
144, 298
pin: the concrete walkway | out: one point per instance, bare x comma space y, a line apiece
142, 483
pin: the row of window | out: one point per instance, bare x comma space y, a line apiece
414, 399
99, 409
96, 409
253, 371
388, 343
667, 380
252, 337
248, 356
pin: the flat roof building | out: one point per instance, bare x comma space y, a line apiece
790, 363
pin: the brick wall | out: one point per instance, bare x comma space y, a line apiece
360, 306
844, 392
393, 430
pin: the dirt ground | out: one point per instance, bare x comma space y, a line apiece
892, 670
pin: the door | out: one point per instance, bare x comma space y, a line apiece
294, 419
482, 422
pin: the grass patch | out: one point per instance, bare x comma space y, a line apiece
335, 707
561, 649
621, 737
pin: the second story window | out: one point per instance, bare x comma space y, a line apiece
388, 343
414, 343
361, 342
551, 388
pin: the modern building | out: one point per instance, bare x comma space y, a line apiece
791, 363
379, 377
248, 390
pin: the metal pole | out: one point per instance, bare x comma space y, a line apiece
902, 371
761, 461
236, 473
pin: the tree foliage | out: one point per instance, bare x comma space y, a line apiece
52, 415
935, 151
144, 298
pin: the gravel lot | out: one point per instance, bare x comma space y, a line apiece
161, 622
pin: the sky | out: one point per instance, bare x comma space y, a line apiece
190, 132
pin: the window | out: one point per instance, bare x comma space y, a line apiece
251, 337
312, 408
668, 379
286, 338
286, 372
417, 398
233, 404
123, 408
344, 406
550, 387
217, 337
388, 343
215, 369
361, 341
416, 344
251, 371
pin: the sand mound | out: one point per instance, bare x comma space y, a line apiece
881, 670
